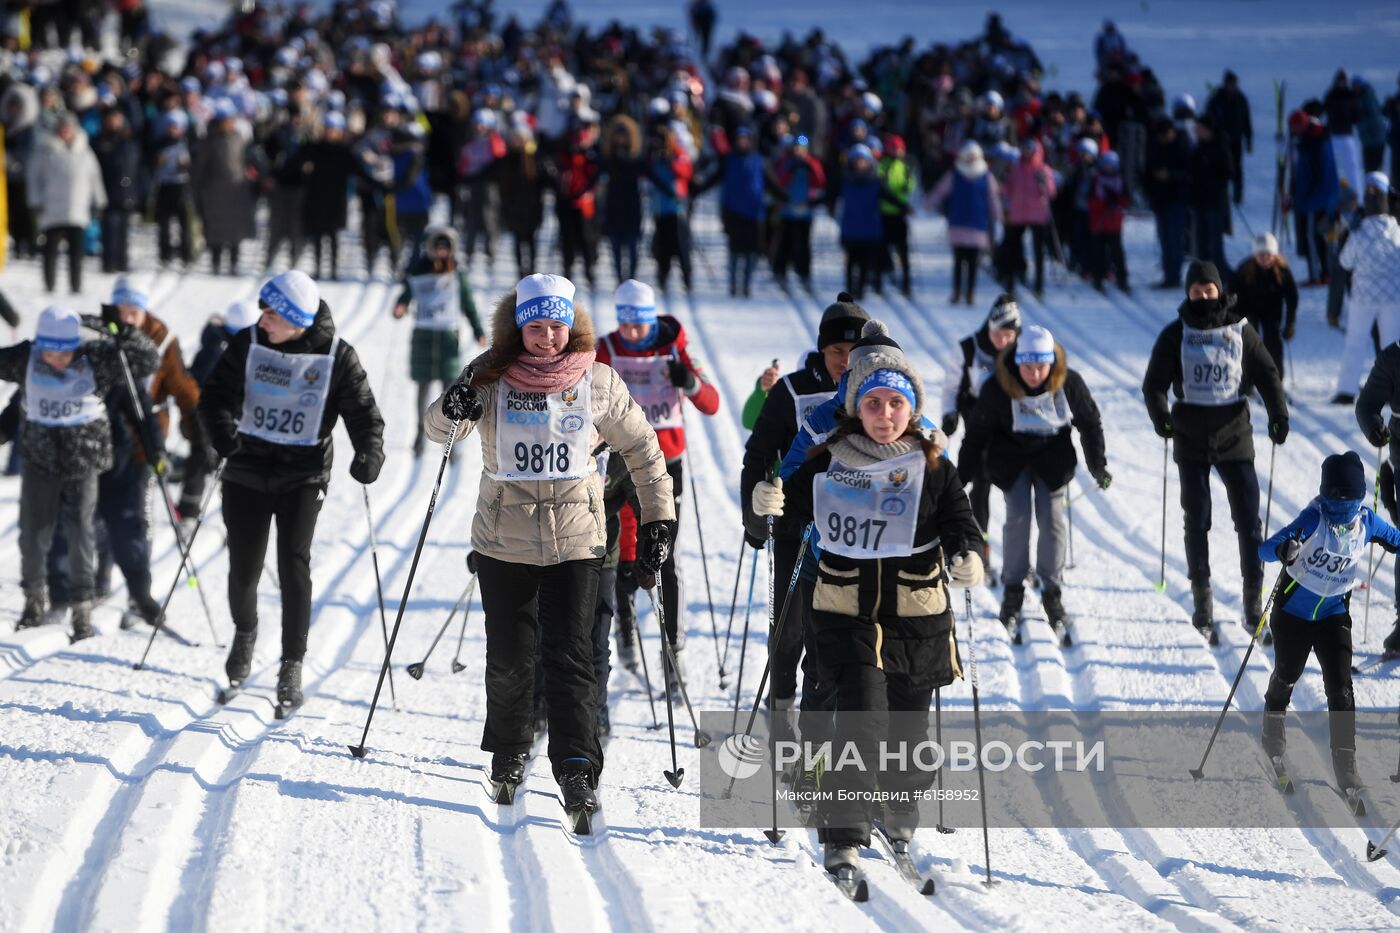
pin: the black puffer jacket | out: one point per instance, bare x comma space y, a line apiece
893, 612
773, 434
990, 433
1208, 433
277, 468
80, 450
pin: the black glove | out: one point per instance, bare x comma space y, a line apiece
653, 546
756, 543
365, 468
1103, 478
1287, 551
225, 445
1278, 431
1386, 479
950, 423
1163, 429
681, 377
462, 402
1380, 436
471, 562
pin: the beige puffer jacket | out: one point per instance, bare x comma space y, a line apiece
544, 522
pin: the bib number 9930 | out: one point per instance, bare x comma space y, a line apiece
1328, 563
280, 420
845, 529
541, 458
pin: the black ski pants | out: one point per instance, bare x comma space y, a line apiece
248, 516
1242, 489
552, 606
1330, 639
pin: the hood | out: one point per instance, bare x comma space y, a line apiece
27, 103
1009, 376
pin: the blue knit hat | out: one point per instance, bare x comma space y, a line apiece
125, 293
58, 329
888, 379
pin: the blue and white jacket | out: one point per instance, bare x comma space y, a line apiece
1320, 581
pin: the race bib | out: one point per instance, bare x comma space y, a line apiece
1329, 562
1212, 364
544, 436
649, 381
284, 394
1043, 415
804, 405
979, 371
61, 399
436, 301
871, 512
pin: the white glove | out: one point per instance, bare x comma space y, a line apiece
966, 569
768, 498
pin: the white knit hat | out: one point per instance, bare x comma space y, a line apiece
58, 329
1036, 345
635, 303
241, 315
293, 295
1266, 243
544, 296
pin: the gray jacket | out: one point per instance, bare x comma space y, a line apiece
65, 182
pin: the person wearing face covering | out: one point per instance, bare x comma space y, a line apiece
1322, 551
1210, 360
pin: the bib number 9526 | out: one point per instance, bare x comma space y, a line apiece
864, 534
280, 420
541, 458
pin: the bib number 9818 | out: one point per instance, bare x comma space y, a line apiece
541, 458
845, 529
280, 420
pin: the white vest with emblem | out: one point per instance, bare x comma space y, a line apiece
63, 399
870, 512
1212, 364
437, 301
804, 405
648, 380
1329, 562
1043, 415
284, 394
543, 436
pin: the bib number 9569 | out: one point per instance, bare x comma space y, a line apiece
845, 529
280, 420
53, 408
541, 458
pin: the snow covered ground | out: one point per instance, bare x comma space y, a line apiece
131, 801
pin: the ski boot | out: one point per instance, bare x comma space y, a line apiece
507, 774
1055, 614
240, 657
1391, 645
82, 621
1272, 735
627, 643
674, 678
576, 788
842, 861
989, 573
36, 605
1010, 614
1203, 617
141, 609
806, 784
901, 819
1348, 781
1253, 609
289, 695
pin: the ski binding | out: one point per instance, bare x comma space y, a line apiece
898, 850
851, 883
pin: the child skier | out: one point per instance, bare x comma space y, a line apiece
436, 284
1322, 551
67, 442
1108, 199
1020, 429
973, 206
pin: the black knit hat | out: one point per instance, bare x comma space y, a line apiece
1005, 313
1202, 272
841, 322
1343, 477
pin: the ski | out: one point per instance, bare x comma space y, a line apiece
1209, 633
1351, 796
1375, 662
851, 882
898, 851
226, 694
285, 710
1278, 772
1014, 628
1062, 633
502, 793
580, 821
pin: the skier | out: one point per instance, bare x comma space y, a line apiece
1267, 296
67, 442
649, 352
1107, 202
900, 582
1322, 551
435, 283
803, 184
960, 391
862, 232
1372, 255
973, 201
1020, 430
1212, 360
269, 407
1382, 388
786, 406
538, 530
1029, 189
898, 180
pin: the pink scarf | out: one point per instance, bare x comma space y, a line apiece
549, 373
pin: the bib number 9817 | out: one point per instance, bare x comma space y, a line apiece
541, 458
280, 420
864, 534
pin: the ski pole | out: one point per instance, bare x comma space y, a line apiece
773, 639
184, 555
702, 738
191, 568
1370, 550
1162, 571
457, 665
938, 738
744, 641
733, 605
379, 589
646, 674
977, 725
1269, 506
677, 773
359, 750
1199, 772
1374, 850
415, 670
704, 560
1069, 519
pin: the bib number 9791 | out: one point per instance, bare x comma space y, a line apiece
1210, 373
541, 458
864, 534
279, 420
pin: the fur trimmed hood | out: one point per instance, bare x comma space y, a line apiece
1010, 378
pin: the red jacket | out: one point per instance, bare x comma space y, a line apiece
1107, 200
